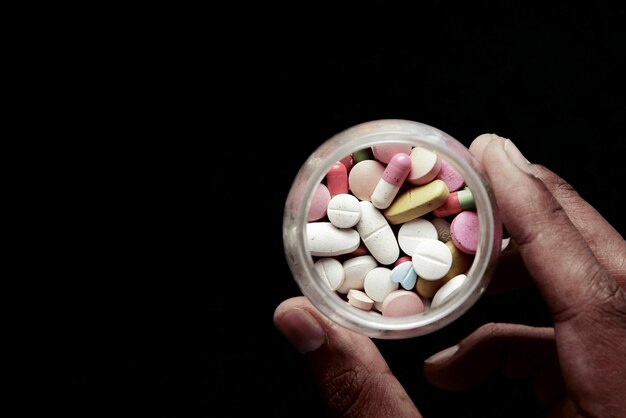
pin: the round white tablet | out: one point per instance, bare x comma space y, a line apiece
413, 232
343, 210
432, 259
378, 283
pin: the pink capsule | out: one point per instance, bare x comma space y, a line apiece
337, 179
392, 179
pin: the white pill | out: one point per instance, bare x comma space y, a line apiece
331, 271
343, 210
378, 283
443, 229
326, 240
359, 299
354, 270
446, 291
432, 259
505, 243
376, 234
415, 231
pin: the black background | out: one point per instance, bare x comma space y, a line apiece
190, 134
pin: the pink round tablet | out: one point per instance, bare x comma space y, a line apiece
425, 166
450, 176
384, 152
464, 231
402, 303
364, 178
319, 204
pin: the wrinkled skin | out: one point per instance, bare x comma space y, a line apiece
563, 246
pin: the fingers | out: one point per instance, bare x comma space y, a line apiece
515, 350
554, 252
605, 242
588, 306
353, 378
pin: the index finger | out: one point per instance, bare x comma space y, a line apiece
563, 266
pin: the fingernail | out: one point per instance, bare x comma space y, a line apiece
443, 355
302, 330
516, 156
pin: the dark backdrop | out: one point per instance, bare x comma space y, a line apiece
163, 304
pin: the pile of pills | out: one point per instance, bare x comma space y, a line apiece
393, 229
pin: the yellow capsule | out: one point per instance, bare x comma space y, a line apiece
416, 202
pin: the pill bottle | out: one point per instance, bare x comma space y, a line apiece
295, 217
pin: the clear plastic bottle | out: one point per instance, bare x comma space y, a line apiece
313, 171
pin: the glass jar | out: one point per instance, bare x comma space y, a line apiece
295, 218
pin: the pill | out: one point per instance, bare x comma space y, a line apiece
331, 270
359, 299
505, 243
402, 303
325, 239
413, 232
362, 155
416, 201
425, 166
348, 162
378, 284
455, 203
319, 203
337, 179
431, 259
464, 231
448, 290
344, 210
461, 262
385, 152
443, 229
404, 274
450, 176
376, 234
355, 270
364, 178
392, 179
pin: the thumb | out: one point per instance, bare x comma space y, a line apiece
351, 375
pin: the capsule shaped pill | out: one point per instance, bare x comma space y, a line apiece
377, 235
455, 203
326, 240
337, 179
392, 179
416, 202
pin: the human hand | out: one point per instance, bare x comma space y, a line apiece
577, 261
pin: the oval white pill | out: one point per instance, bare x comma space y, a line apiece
344, 210
376, 234
359, 299
415, 231
446, 291
354, 270
432, 259
378, 283
326, 240
331, 270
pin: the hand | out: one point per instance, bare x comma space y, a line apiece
578, 263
